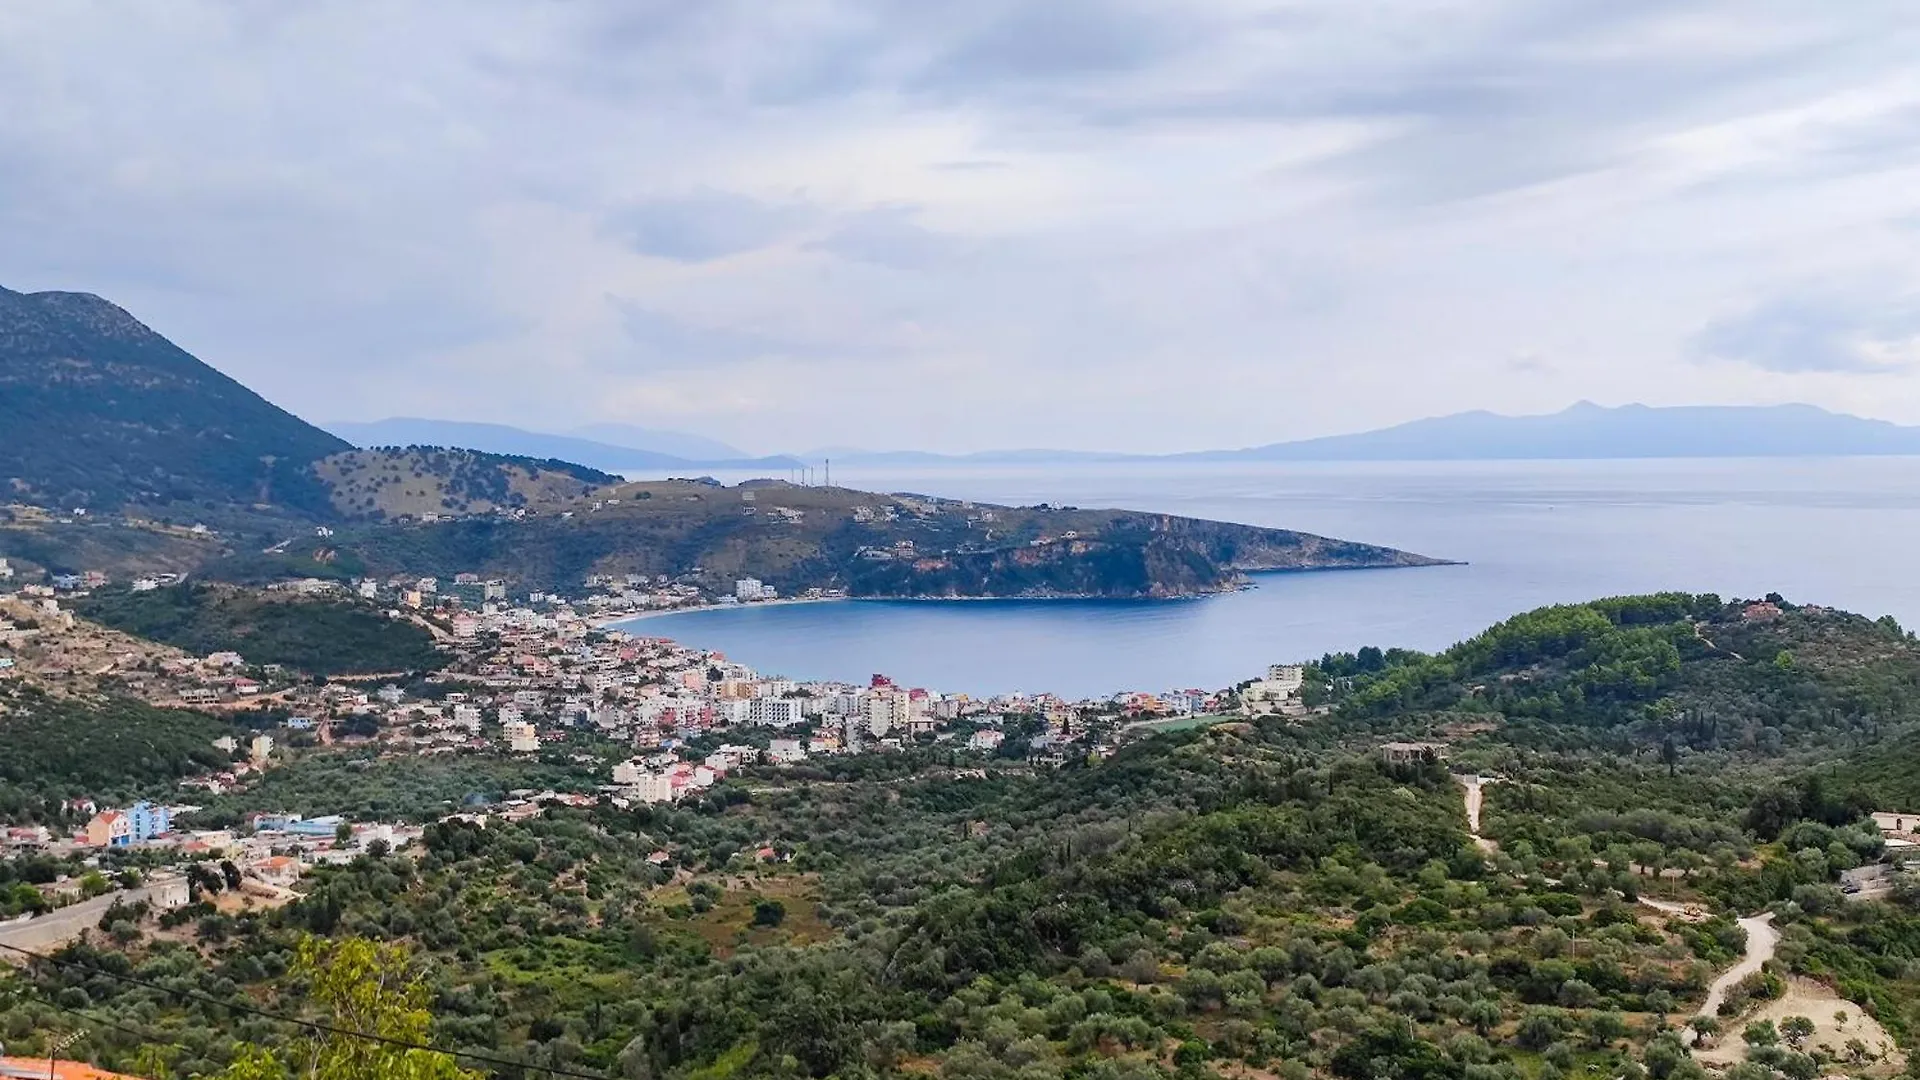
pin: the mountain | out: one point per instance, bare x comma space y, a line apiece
1587, 430
1584, 430
100, 411
502, 439
680, 444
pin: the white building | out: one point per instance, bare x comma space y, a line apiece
775, 712
785, 751
467, 716
1285, 680
654, 787
886, 712
747, 589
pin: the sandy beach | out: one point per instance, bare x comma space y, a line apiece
610, 618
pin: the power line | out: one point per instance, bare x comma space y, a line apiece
311, 1025
144, 1036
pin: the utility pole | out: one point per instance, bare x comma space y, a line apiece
55, 1046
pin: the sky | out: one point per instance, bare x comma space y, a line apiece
1096, 224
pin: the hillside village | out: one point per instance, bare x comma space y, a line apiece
534, 677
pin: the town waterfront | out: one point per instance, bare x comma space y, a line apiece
1832, 531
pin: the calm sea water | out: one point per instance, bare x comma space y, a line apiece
1842, 532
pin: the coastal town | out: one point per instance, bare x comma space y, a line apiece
535, 677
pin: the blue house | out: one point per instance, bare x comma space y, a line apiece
148, 820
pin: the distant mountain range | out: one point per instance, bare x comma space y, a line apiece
629, 449
1584, 430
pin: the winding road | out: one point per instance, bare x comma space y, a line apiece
1761, 938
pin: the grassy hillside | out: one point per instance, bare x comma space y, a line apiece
318, 636
391, 482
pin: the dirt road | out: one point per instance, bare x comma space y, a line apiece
1473, 786
1761, 938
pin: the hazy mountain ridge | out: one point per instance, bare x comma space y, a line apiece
1587, 430
1584, 431
520, 442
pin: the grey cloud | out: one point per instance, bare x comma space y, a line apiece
888, 236
702, 226
661, 341
264, 187
1061, 39
1837, 333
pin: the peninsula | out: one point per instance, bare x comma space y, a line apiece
189, 472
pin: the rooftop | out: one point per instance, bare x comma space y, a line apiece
56, 1070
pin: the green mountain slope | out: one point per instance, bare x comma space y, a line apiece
100, 411
1669, 672
318, 636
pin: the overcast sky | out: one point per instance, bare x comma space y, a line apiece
994, 223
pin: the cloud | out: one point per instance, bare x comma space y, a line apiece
889, 236
664, 342
1830, 333
958, 224
702, 226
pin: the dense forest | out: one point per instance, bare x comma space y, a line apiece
313, 635
62, 747
1268, 898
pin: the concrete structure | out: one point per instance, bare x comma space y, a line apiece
521, 737
1407, 753
775, 712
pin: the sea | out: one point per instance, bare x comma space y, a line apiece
1843, 532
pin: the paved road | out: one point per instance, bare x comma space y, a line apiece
57, 928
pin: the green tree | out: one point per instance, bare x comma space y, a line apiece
365, 989
1796, 1030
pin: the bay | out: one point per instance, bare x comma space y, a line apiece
1840, 532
